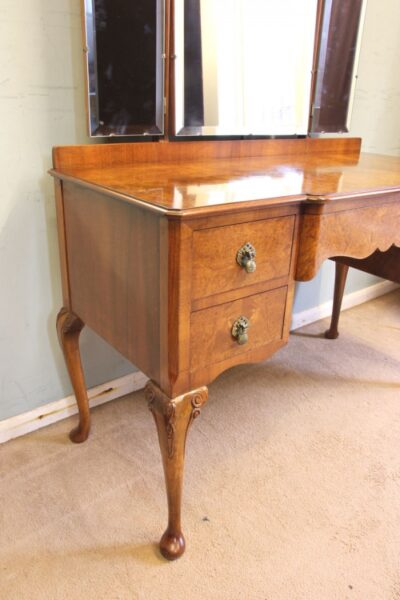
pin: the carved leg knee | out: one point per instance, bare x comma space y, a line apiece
173, 418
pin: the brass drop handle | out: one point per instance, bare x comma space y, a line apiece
246, 257
239, 330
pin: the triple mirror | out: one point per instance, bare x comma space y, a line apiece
186, 68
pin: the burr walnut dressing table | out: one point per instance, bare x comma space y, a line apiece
184, 255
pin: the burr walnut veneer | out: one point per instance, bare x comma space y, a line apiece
183, 256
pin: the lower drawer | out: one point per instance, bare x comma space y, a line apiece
211, 338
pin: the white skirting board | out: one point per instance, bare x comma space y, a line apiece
322, 311
61, 409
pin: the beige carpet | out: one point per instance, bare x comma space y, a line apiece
292, 485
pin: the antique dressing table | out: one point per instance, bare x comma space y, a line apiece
183, 256
182, 251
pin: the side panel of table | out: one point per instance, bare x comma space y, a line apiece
114, 273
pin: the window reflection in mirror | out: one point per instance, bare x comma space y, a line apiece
243, 67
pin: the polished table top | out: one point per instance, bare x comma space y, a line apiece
188, 185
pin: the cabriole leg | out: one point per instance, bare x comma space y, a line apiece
69, 327
173, 418
340, 281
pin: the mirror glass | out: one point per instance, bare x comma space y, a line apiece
243, 67
125, 45
336, 68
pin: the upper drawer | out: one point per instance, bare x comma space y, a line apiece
215, 266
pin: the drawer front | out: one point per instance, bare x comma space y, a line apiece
211, 329
215, 266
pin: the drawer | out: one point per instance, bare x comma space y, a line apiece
211, 338
215, 266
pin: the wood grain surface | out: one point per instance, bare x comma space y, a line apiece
114, 272
112, 155
215, 268
187, 183
211, 340
354, 233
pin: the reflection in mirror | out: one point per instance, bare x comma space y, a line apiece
243, 67
339, 46
124, 40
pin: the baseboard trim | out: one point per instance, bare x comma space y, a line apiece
61, 409
322, 311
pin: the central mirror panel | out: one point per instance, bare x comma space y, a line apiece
243, 67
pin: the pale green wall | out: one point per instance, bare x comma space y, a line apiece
42, 105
